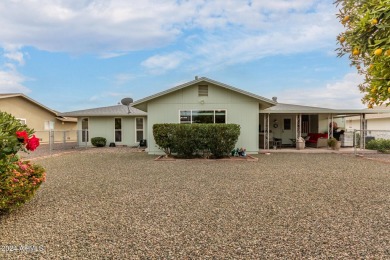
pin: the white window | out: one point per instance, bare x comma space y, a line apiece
49, 125
22, 120
185, 117
203, 116
118, 129
84, 130
139, 129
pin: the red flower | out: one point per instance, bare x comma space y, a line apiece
22, 135
32, 143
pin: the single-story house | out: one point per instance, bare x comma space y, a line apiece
373, 121
204, 100
37, 116
119, 124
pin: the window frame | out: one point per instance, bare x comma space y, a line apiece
191, 117
137, 130
82, 130
285, 125
48, 125
22, 119
119, 130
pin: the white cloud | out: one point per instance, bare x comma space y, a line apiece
123, 78
118, 96
13, 54
234, 32
310, 27
343, 93
118, 26
160, 63
12, 82
205, 34
93, 26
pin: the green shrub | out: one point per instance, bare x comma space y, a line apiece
164, 137
332, 142
223, 139
196, 139
185, 140
18, 179
381, 145
98, 141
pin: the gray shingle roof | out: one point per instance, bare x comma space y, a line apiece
289, 108
118, 110
281, 108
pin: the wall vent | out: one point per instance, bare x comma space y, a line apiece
203, 90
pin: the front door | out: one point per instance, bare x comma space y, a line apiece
287, 130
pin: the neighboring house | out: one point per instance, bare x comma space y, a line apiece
373, 121
119, 124
37, 116
377, 125
207, 101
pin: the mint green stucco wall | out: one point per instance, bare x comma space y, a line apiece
104, 127
240, 109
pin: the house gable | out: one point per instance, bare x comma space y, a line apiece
188, 93
239, 107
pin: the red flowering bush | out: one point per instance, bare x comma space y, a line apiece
32, 143
22, 136
18, 179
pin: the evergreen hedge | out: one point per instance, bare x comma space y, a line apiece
381, 145
196, 139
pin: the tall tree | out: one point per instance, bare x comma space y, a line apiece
366, 40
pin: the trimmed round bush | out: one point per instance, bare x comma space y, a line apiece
99, 141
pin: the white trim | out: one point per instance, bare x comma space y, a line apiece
48, 125
191, 110
143, 128
22, 119
121, 129
81, 125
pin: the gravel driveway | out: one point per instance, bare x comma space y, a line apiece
117, 204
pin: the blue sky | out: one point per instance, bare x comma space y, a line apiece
77, 54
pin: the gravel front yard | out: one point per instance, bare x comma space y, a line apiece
116, 204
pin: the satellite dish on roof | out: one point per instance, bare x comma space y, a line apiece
126, 102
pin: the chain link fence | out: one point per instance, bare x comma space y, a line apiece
362, 138
52, 142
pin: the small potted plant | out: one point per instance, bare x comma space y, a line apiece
334, 144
